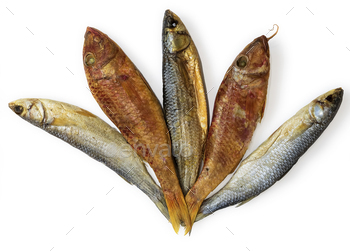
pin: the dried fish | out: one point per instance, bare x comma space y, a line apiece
185, 101
239, 106
277, 155
126, 98
93, 136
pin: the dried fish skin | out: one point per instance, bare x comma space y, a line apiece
185, 100
90, 134
277, 155
239, 107
127, 99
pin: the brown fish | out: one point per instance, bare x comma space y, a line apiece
127, 99
238, 107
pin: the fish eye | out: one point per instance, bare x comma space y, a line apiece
242, 62
172, 23
330, 98
89, 59
18, 109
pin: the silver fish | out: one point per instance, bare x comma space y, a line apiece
185, 101
93, 136
277, 155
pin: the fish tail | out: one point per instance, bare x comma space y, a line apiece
178, 210
200, 216
205, 210
162, 208
193, 206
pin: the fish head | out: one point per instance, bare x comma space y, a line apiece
254, 59
175, 35
324, 107
31, 110
98, 51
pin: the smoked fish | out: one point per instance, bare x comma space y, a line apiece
239, 106
277, 155
185, 101
90, 134
127, 99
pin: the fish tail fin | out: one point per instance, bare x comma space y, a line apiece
161, 205
193, 206
200, 216
178, 211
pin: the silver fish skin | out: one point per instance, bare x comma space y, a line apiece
277, 155
185, 100
93, 136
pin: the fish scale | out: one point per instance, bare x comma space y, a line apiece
94, 137
129, 102
239, 107
133, 131
182, 121
185, 103
285, 146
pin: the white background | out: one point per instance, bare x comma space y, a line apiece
53, 197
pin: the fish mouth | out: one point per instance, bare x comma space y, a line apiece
94, 36
335, 96
102, 48
331, 99
170, 20
260, 43
18, 109
169, 14
93, 31
12, 106
264, 43
339, 92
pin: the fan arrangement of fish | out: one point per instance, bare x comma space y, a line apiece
174, 140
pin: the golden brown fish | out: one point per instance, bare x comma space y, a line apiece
185, 101
127, 99
239, 106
